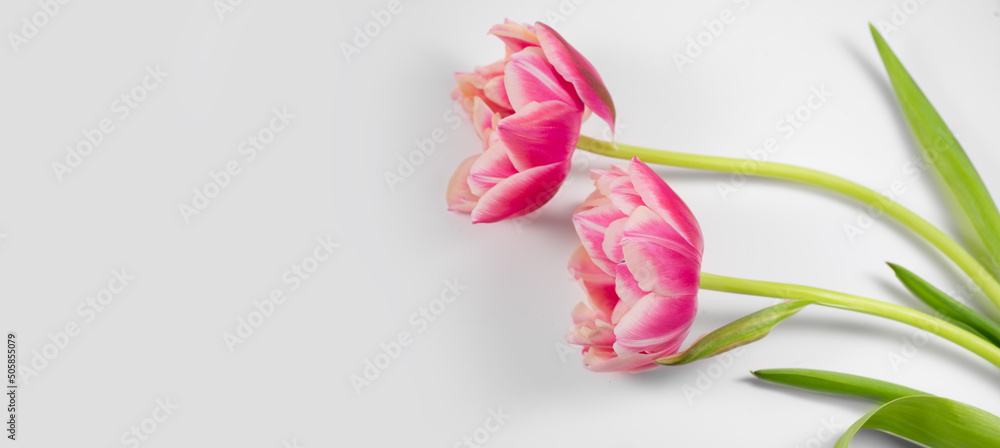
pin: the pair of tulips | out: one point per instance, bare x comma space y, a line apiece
641, 248
640, 258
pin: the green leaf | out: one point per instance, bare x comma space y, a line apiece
932, 421
837, 383
740, 332
948, 306
942, 149
909, 413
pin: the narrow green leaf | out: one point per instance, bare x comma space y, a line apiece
932, 421
948, 307
740, 332
945, 154
837, 383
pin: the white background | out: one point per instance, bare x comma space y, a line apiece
499, 344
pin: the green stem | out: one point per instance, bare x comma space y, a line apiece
833, 299
962, 258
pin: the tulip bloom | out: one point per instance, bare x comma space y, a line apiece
639, 263
527, 109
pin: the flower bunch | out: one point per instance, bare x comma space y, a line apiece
639, 262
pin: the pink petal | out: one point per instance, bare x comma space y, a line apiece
458, 195
658, 257
604, 360
613, 241
492, 70
592, 335
620, 310
578, 71
604, 179
599, 287
591, 226
530, 78
623, 195
492, 167
482, 119
655, 323
515, 36
626, 287
496, 91
595, 199
582, 313
540, 134
658, 196
521, 193
582, 267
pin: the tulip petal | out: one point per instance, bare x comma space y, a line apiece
655, 323
626, 287
599, 287
582, 313
592, 335
496, 91
459, 195
529, 77
595, 199
520, 194
623, 194
482, 120
540, 134
659, 197
492, 167
620, 310
515, 36
604, 360
612, 241
578, 71
661, 261
591, 226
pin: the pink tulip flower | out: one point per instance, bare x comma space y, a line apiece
639, 263
527, 109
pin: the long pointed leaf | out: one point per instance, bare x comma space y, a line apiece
948, 306
837, 383
909, 413
739, 332
933, 421
942, 149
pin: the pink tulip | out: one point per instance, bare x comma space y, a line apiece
527, 109
639, 263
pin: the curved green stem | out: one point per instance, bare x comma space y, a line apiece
962, 258
833, 299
